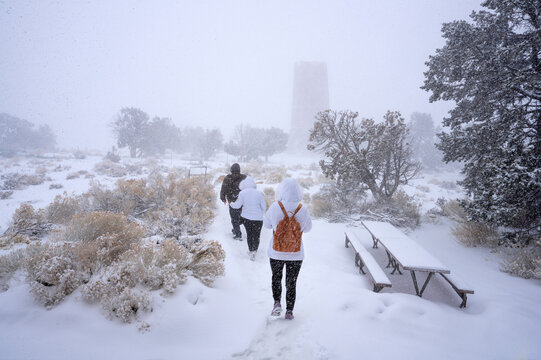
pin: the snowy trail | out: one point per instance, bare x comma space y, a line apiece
337, 316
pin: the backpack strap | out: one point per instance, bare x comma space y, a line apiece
283, 209
285, 212
297, 210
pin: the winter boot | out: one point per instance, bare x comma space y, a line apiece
289, 315
277, 309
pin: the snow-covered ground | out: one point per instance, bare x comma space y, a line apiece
337, 316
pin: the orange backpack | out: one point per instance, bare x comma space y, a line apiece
288, 234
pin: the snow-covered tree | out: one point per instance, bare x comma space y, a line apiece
249, 143
364, 153
209, 143
160, 134
422, 139
275, 141
129, 128
491, 68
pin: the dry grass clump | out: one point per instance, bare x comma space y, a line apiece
469, 233
109, 168
73, 175
55, 186
306, 182
524, 261
254, 169
269, 195
275, 174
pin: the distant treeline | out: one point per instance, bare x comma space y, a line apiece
143, 136
18, 135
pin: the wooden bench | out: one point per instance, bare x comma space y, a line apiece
461, 288
364, 259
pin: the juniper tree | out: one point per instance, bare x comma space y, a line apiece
249, 143
422, 139
491, 69
364, 153
129, 128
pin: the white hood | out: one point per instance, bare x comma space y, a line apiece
247, 183
289, 191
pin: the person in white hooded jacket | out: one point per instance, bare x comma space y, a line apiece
289, 194
253, 206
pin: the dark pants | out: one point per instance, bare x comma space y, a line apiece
235, 220
292, 272
253, 231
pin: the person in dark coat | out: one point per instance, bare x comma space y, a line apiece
229, 193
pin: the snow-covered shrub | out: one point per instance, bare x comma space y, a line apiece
207, 262
73, 175
109, 168
254, 169
134, 168
62, 209
186, 206
9, 264
524, 262
275, 175
8, 240
79, 154
135, 196
162, 266
5, 194
101, 237
127, 304
112, 155
337, 203
306, 182
28, 222
33, 179
100, 198
52, 272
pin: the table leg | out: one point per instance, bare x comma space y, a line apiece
374, 242
420, 293
396, 266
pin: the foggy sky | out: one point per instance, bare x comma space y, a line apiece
73, 64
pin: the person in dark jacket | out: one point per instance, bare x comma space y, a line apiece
229, 193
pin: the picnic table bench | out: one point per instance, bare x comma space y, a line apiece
403, 252
364, 259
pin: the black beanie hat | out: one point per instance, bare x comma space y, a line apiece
235, 168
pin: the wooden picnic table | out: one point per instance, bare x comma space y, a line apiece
404, 252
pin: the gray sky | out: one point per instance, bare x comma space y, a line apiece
214, 63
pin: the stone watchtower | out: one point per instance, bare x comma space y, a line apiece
310, 96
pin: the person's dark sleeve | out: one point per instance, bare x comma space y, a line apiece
224, 189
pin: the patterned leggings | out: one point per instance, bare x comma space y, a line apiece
292, 272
